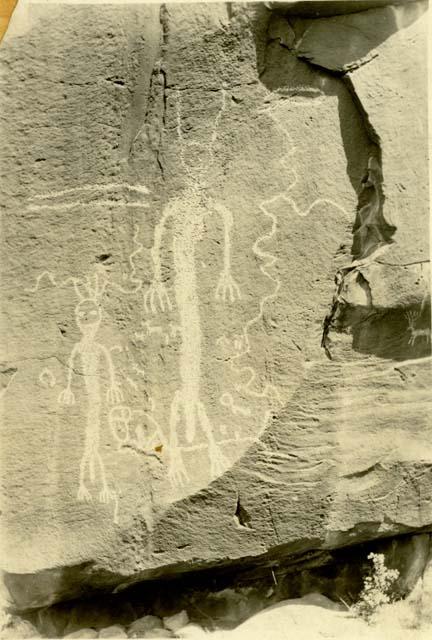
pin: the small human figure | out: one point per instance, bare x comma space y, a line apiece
88, 315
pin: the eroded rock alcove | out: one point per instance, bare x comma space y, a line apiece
215, 286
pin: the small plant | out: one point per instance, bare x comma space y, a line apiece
377, 588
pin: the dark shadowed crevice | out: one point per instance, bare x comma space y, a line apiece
371, 230
241, 516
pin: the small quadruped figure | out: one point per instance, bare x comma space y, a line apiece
417, 332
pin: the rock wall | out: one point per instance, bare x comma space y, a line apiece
215, 288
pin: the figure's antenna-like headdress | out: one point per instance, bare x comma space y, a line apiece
93, 288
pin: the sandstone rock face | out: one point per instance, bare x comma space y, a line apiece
183, 384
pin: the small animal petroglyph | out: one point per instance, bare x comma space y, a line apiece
416, 333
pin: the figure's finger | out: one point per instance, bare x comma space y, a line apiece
168, 301
146, 295
152, 302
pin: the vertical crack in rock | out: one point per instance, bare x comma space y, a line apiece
372, 234
241, 516
163, 20
154, 119
371, 230
6, 376
163, 83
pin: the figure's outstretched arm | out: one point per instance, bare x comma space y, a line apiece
67, 396
157, 292
114, 394
226, 285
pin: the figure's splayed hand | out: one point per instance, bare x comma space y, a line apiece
114, 394
83, 494
227, 288
106, 495
66, 397
157, 296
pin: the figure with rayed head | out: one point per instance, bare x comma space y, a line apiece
92, 355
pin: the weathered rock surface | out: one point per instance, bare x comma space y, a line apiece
85, 634
384, 51
325, 8
115, 631
183, 384
175, 622
144, 624
224, 599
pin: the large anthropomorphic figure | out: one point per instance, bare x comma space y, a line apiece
186, 214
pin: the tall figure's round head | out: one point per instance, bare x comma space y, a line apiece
88, 316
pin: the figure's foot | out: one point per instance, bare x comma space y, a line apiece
66, 397
178, 478
114, 394
218, 462
177, 473
106, 496
83, 494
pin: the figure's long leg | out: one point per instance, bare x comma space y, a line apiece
218, 463
83, 494
190, 352
174, 419
106, 495
177, 472
92, 471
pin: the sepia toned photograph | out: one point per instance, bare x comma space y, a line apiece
215, 367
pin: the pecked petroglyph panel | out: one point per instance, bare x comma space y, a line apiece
171, 315
181, 232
